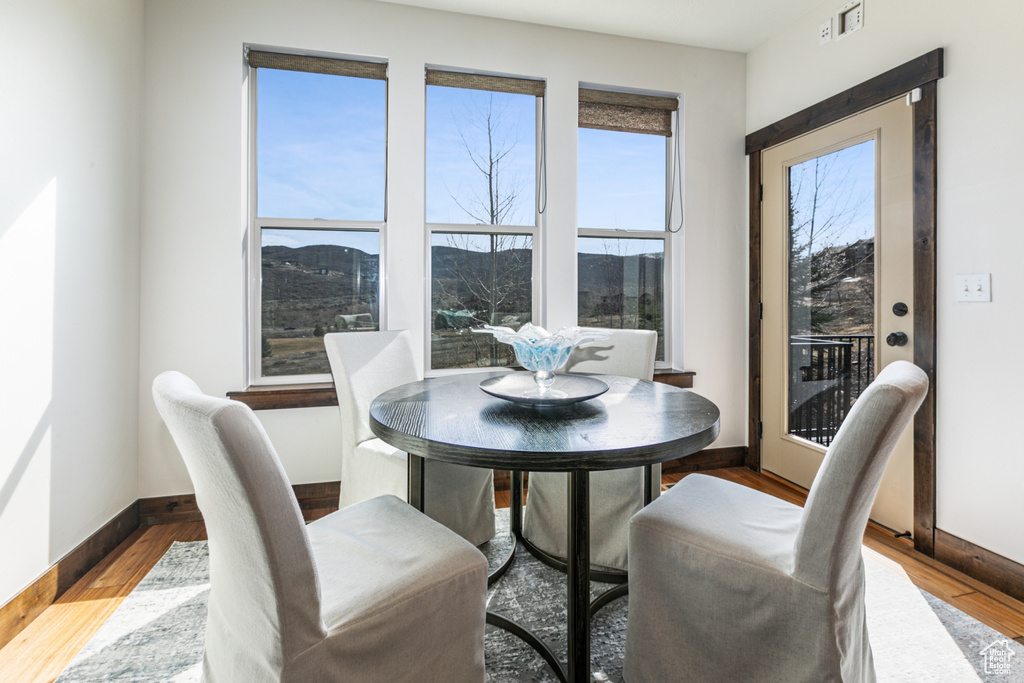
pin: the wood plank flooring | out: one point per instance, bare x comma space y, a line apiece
47, 645
41, 651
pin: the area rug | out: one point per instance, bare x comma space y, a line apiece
157, 632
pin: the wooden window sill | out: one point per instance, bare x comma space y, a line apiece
281, 396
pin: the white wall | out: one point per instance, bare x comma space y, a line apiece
194, 197
69, 274
980, 143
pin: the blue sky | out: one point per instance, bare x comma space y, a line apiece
481, 243
366, 240
621, 181
321, 145
458, 114
846, 194
620, 247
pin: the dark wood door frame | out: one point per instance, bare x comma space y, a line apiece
923, 73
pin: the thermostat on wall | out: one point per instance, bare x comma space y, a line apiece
850, 18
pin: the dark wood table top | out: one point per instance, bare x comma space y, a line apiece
635, 422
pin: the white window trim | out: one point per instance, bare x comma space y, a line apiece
254, 312
669, 262
673, 243
476, 229
534, 231
253, 260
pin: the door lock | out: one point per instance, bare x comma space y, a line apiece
896, 339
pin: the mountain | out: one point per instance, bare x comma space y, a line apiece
308, 285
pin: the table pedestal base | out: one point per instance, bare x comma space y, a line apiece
579, 608
578, 577
578, 574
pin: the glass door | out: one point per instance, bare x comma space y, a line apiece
831, 287
837, 275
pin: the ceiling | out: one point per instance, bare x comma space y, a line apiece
738, 25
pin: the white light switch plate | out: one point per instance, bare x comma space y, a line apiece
974, 287
825, 32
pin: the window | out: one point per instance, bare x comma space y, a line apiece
481, 207
625, 210
318, 129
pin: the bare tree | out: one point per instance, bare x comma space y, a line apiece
831, 286
485, 283
823, 205
488, 153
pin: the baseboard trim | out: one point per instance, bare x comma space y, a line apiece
319, 499
707, 459
281, 396
315, 501
169, 510
24, 607
990, 568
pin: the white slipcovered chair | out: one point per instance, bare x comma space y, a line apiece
374, 592
364, 365
730, 584
615, 495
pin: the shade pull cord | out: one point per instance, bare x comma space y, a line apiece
542, 176
676, 183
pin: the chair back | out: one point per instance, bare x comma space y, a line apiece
629, 353
264, 601
828, 545
365, 365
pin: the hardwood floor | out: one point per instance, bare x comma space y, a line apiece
42, 650
47, 645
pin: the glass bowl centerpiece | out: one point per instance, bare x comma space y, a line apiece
542, 352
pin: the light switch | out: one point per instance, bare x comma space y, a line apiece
825, 32
973, 288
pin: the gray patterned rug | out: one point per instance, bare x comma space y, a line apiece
157, 633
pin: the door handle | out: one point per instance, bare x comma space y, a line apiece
896, 339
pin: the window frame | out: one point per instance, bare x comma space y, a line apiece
673, 210
534, 231
255, 224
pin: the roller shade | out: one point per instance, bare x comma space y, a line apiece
317, 65
515, 86
626, 112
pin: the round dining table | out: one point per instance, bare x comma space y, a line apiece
635, 423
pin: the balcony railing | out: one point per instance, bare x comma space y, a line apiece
827, 374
